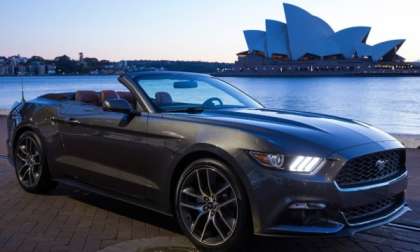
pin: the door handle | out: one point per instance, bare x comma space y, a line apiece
73, 122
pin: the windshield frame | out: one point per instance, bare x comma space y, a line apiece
188, 76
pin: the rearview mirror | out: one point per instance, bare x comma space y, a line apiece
185, 84
117, 105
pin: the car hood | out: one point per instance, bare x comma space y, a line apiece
333, 133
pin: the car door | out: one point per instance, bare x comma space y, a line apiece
106, 149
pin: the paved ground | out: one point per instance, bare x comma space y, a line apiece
3, 134
413, 192
68, 219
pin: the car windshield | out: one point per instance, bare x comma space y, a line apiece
179, 93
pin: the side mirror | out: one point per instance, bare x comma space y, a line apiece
117, 105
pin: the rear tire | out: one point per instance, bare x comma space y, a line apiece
211, 207
31, 164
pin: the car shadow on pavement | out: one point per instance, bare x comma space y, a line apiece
118, 207
160, 221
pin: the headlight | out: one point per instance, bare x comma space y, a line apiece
298, 164
305, 164
268, 159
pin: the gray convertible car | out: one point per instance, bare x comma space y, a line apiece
195, 147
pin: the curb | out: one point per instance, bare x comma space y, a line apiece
409, 141
157, 244
4, 112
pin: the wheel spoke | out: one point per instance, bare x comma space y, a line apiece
34, 176
208, 182
25, 173
227, 202
24, 151
36, 171
20, 157
195, 222
28, 145
21, 168
200, 187
191, 194
30, 177
224, 188
222, 217
33, 148
197, 208
218, 229
205, 227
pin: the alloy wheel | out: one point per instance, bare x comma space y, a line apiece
28, 161
208, 206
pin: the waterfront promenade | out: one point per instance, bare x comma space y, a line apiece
68, 219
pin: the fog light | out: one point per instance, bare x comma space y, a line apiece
307, 205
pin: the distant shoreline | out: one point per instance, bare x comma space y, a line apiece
58, 75
313, 74
64, 65
246, 75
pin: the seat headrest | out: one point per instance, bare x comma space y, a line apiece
87, 96
163, 98
108, 94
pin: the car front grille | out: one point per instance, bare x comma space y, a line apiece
372, 168
374, 210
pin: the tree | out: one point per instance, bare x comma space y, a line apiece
38, 59
65, 65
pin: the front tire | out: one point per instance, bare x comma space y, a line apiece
31, 165
211, 207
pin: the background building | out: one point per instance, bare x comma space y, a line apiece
306, 44
307, 37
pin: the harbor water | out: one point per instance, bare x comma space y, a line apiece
390, 103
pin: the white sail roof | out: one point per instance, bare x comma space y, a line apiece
306, 34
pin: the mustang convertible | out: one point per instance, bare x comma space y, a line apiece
195, 147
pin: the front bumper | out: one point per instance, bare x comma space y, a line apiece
273, 192
334, 228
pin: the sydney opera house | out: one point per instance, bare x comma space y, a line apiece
307, 44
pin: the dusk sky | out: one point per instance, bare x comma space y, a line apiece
209, 30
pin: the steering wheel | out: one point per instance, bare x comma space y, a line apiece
210, 102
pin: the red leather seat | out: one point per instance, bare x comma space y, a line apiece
107, 94
87, 96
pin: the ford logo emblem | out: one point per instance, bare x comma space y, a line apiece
381, 164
